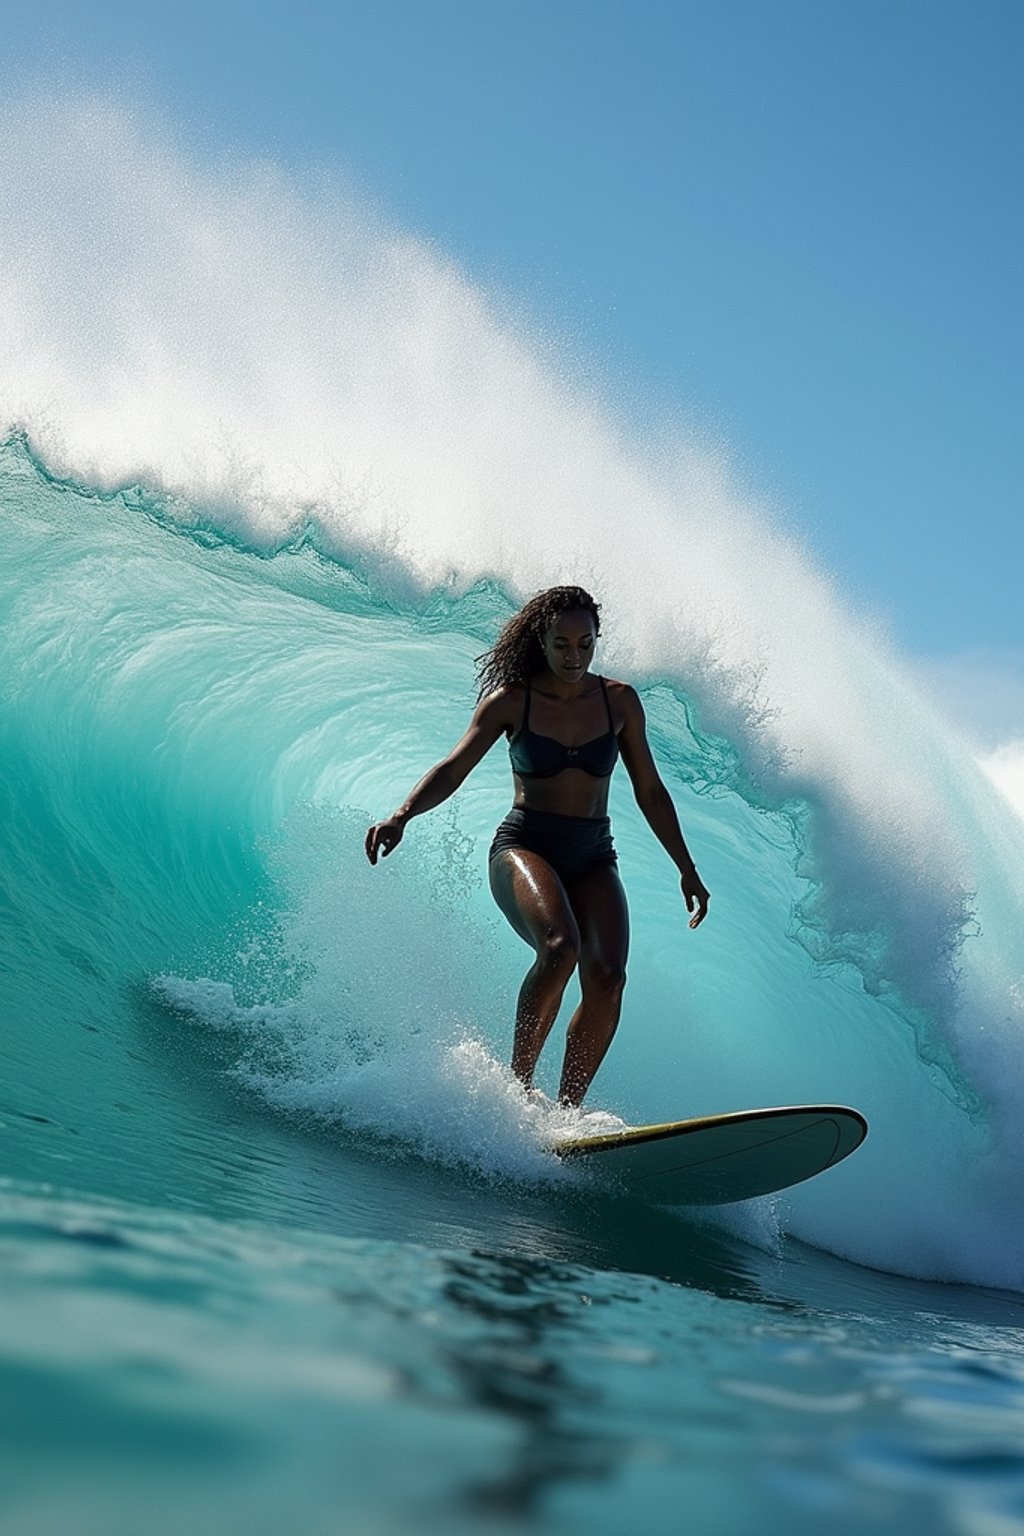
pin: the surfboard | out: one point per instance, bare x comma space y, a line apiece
722, 1158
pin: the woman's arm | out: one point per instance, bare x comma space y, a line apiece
491, 717
655, 802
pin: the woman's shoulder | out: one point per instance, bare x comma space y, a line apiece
507, 692
504, 704
625, 702
622, 693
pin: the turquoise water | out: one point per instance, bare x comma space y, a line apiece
282, 1246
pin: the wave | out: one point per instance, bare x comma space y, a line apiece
273, 472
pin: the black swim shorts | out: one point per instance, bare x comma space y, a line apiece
572, 845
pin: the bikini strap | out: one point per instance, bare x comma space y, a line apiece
607, 705
526, 711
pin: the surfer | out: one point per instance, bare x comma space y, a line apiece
552, 861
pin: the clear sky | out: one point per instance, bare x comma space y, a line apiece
798, 222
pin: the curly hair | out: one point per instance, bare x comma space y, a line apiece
518, 652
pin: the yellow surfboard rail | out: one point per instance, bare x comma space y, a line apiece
634, 1134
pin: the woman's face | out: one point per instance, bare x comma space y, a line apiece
569, 645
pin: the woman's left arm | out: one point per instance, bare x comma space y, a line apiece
656, 803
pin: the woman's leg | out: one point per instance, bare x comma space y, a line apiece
533, 899
599, 904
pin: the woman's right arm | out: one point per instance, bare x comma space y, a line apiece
491, 718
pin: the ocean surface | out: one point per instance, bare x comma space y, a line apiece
282, 1245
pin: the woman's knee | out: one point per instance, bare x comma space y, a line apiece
559, 950
607, 977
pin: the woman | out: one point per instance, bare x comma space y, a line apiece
552, 864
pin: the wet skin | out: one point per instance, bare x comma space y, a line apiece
582, 922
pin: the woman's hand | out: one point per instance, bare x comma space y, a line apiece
695, 894
383, 837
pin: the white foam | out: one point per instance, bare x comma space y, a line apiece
1005, 767
384, 1030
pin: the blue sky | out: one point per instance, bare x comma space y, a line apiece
797, 223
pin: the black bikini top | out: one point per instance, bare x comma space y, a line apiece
541, 757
